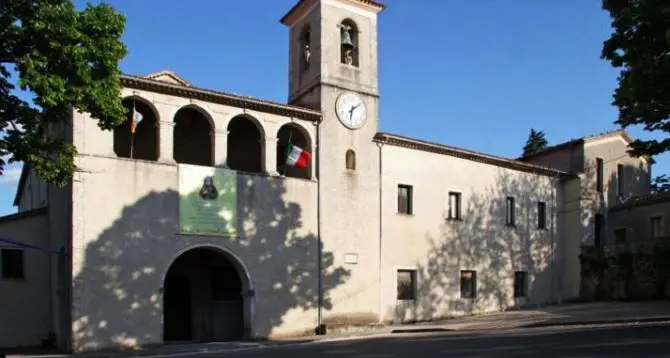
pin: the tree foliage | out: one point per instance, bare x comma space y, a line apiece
68, 59
536, 143
640, 47
660, 184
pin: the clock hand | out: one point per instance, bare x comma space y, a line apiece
351, 110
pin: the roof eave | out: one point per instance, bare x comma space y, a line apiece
393, 139
139, 83
370, 4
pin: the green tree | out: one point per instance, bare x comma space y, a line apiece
67, 59
660, 184
536, 143
640, 47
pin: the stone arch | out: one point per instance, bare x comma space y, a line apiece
305, 47
144, 144
195, 282
349, 44
299, 137
350, 160
246, 143
193, 136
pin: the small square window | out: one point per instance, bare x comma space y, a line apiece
405, 199
656, 226
620, 235
520, 284
406, 285
468, 284
12, 265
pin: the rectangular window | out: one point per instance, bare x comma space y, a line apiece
656, 225
600, 174
406, 285
620, 179
405, 199
11, 263
468, 284
620, 235
509, 211
599, 226
520, 284
541, 215
454, 205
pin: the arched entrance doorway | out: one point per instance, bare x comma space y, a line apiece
204, 298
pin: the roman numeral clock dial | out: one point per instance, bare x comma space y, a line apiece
350, 109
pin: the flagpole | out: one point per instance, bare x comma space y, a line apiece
288, 147
132, 131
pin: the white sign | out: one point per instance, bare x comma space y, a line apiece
351, 258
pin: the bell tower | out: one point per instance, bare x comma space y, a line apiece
332, 42
333, 68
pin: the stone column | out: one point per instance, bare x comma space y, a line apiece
220, 147
166, 114
270, 155
166, 150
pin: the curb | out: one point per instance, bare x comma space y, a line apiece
538, 325
595, 322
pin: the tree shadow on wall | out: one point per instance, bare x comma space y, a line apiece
117, 298
481, 241
597, 282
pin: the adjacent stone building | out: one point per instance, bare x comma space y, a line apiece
194, 228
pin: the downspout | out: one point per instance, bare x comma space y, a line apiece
554, 223
381, 236
67, 259
320, 328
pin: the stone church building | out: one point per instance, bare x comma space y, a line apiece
195, 228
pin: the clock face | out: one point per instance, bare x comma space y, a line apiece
351, 110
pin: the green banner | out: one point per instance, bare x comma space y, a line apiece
207, 201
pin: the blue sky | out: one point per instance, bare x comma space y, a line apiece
476, 74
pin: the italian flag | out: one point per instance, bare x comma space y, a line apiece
137, 118
297, 157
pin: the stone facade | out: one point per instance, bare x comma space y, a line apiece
378, 228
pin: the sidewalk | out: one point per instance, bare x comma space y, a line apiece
559, 315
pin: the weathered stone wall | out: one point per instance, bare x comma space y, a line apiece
638, 270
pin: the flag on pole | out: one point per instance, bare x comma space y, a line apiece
297, 157
137, 118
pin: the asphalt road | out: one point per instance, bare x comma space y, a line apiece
610, 342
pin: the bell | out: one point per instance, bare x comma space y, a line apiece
346, 39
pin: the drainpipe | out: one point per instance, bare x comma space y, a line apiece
554, 223
381, 256
320, 328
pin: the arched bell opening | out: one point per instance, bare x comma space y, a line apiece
137, 137
292, 139
305, 48
193, 137
245, 145
349, 43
